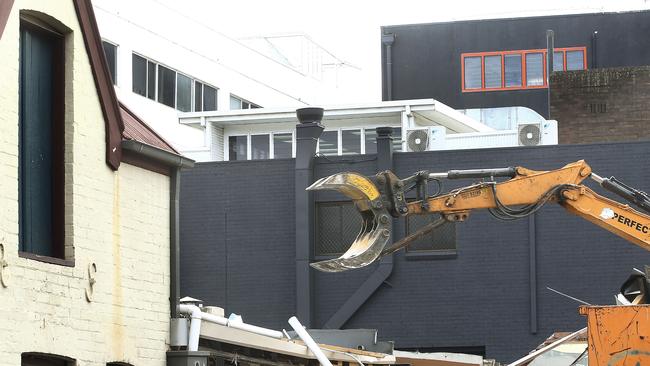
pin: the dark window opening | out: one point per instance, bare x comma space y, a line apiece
371, 141
139, 75
198, 96
512, 72
350, 142
338, 224
328, 143
110, 51
473, 73
237, 147
534, 69
166, 86
184, 93
41, 142
151, 80
260, 147
209, 98
44, 359
282, 145
443, 238
397, 139
493, 71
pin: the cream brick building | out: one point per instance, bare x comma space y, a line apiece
104, 294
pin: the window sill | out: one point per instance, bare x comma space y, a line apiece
437, 254
46, 259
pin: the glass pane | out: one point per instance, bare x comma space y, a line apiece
371, 141
110, 50
575, 60
151, 80
166, 86
534, 69
472, 72
139, 75
184, 93
198, 96
209, 98
492, 71
558, 61
350, 142
260, 147
397, 139
235, 103
253, 106
512, 64
237, 146
245, 105
282, 144
328, 143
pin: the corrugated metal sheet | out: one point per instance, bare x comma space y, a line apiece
136, 129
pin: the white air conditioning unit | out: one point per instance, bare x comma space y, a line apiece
425, 138
533, 134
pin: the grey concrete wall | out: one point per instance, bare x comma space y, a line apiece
479, 298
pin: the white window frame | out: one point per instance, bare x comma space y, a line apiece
226, 145
250, 144
293, 142
362, 142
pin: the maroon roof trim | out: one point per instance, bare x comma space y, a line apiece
5, 10
105, 91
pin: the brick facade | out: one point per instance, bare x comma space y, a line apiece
601, 105
117, 220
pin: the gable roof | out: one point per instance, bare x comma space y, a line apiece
137, 129
121, 124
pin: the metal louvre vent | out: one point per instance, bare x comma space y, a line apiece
337, 225
442, 238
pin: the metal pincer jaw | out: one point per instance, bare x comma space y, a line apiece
375, 230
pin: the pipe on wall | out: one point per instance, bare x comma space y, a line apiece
388, 40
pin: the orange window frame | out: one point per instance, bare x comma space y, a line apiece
524, 80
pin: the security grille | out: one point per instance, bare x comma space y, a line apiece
441, 238
337, 225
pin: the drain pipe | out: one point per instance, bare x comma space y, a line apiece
309, 341
388, 40
175, 163
197, 316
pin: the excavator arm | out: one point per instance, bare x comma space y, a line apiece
525, 192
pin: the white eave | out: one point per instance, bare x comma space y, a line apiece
239, 337
425, 112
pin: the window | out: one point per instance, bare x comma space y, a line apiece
183, 93
282, 145
493, 71
397, 139
443, 238
328, 143
337, 226
239, 103
139, 75
260, 147
370, 136
350, 142
535, 69
512, 72
473, 73
503, 70
171, 88
41, 141
44, 359
166, 86
238, 147
575, 60
110, 51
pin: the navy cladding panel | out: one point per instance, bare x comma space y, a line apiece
479, 298
237, 238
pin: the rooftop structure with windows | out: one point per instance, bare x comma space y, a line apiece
419, 125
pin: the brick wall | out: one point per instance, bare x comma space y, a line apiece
117, 220
601, 105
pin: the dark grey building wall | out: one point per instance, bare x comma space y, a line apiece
427, 57
481, 297
237, 234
